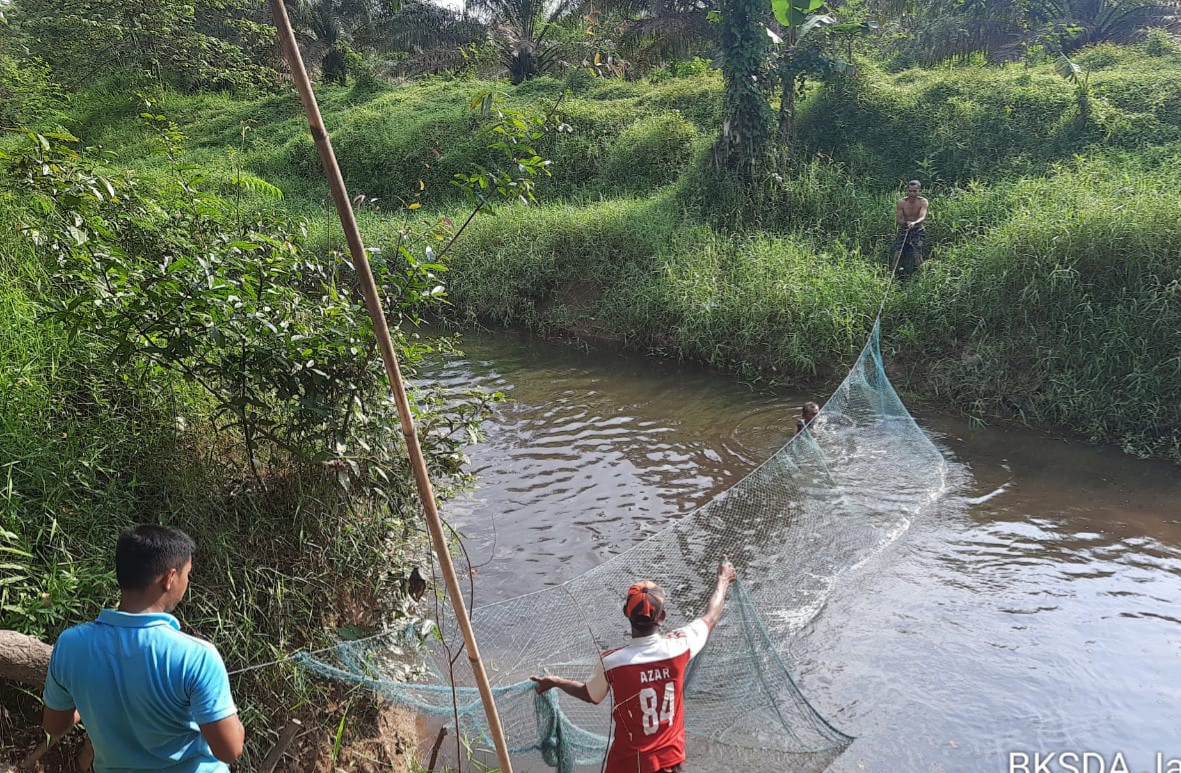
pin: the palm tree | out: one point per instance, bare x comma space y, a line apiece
656, 31
434, 37
1003, 28
522, 32
327, 21
1116, 21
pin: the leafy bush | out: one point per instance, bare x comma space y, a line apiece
27, 95
1158, 42
172, 293
206, 44
1099, 57
341, 62
651, 152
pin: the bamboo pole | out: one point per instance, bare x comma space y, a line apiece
381, 330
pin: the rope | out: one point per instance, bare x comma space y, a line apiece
893, 273
305, 654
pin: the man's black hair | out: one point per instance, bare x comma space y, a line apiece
147, 551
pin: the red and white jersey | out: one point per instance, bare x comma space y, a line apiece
647, 680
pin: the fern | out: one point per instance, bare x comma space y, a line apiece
258, 185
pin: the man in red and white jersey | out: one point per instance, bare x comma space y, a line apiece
646, 680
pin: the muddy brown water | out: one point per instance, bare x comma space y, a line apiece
1038, 611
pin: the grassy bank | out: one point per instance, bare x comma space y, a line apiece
93, 443
1051, 285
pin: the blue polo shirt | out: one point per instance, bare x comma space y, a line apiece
142, 688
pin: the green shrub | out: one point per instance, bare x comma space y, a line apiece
694, 67
167, 356
651, 152
27, 96
342, 62
1158, 42
1101, 56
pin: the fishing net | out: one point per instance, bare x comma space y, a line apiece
834, 497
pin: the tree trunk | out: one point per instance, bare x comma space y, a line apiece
23, 659
745, 141
787, 112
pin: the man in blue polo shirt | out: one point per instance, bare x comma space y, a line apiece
152, 698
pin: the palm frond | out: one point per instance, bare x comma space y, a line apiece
249, 182
421, 26
653, 40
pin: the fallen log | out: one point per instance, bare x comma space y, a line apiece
23, 659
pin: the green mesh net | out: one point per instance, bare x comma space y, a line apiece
834, 497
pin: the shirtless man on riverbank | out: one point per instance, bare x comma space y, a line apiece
909, 216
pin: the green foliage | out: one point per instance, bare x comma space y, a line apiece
516, 135
209, 44
745, 141
693, 68
1158, 42
342, 61
651, 152
172, 281
28, 97
1100, 57
794, 13
167, 289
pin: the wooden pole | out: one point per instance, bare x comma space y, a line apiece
381, 330
286, 737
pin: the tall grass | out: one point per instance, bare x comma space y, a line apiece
1050, 289
1066, 310
277, 569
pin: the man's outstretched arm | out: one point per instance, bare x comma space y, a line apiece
713, 610
577, 690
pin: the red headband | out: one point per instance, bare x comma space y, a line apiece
643, 601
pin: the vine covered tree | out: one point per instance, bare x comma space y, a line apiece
745, 141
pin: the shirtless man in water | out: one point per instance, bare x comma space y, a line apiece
909, 215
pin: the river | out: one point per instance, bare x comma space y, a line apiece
1036, 611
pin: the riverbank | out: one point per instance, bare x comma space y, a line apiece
111, 416
1050, 294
